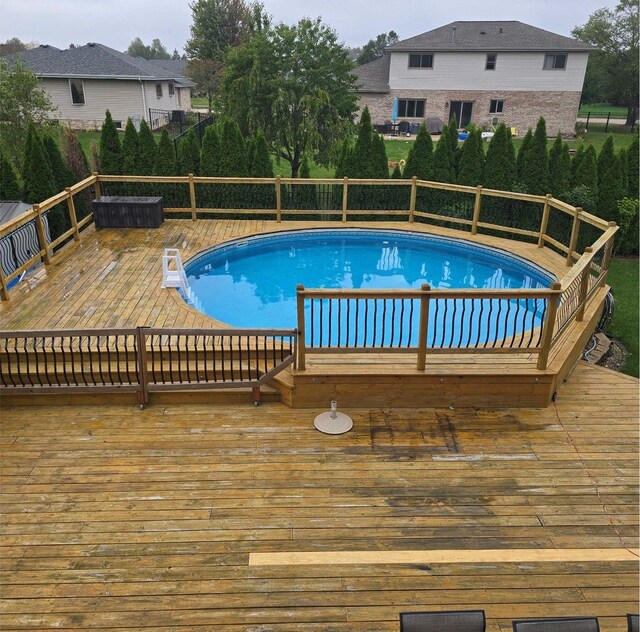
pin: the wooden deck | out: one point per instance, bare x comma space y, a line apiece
190, 517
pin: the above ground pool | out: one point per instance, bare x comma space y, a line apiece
252, 282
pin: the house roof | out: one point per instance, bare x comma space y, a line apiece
489, 36
373, 76
10, 209
94, 61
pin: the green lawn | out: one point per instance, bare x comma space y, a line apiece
199, 102
602, 109
623, 278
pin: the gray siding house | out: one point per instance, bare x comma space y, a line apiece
478, 72
86, 81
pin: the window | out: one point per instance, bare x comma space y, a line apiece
496, 106
159, 90
491, 61
555, 61
421, 60
77, 91
171, 88
411, 108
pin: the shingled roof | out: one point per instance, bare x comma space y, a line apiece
373, 76
489, 36
93, 61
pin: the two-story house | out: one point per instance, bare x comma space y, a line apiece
85, 81
480, 72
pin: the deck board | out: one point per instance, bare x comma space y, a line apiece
114, 517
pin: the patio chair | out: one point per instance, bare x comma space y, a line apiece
448, 621
632, 623
565, 624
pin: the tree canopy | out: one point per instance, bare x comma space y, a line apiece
22, 101
155, 50
615, 64
374, 48
295, 83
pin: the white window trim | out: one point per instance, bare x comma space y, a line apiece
495, 62
84, 102
410, 67
159, 96
424, 101
497, 99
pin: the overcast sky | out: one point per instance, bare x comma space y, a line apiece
116, 22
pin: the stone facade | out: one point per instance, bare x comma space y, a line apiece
521, 109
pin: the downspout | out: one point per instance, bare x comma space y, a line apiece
144, 100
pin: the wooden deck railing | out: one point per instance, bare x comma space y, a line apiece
540, 219
142, 360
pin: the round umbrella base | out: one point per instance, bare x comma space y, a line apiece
339, 424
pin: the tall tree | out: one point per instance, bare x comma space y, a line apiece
575, 162
189, 155
344, 158
277, 81
610, 184
587, 173
443, 159
374, 48
156, 50
455, 148
615, 34
110, 150
420, 159
62, 175
76, 160
9, 187
471, 169
218, 25
379, 161
535, 175
146, 149
22, 101
360, 164
524, 147
130, 150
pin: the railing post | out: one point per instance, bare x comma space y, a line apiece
143, 378
42, 236
424, 323
549, 325
278, 199
72, 214
4, 293
606, 127
476, 210
608, 253
573, 242
192, 197
96, 185
301, 331
584, 286
345, 197
545, 220
412, 198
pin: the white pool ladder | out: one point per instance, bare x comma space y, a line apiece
173, 274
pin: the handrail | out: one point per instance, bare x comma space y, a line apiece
143, 359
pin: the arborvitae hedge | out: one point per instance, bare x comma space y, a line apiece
343, 159
62, 175
535, 175
576, 161
9, 187
559, 168
471, 169
499, 173
443, 159
455, 146
38, 178
130, 151
77, 162
146, 150
210, 153
189, 155
610, 185
233, 160
587, 175
305, 194
165, 165
420, 159
633, 168
361, 164
623, 161
526, 142
261, 165
110, 150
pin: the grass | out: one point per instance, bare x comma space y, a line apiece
602, 109
623, 278
199, 102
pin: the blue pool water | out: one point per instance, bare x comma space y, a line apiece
252, 282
